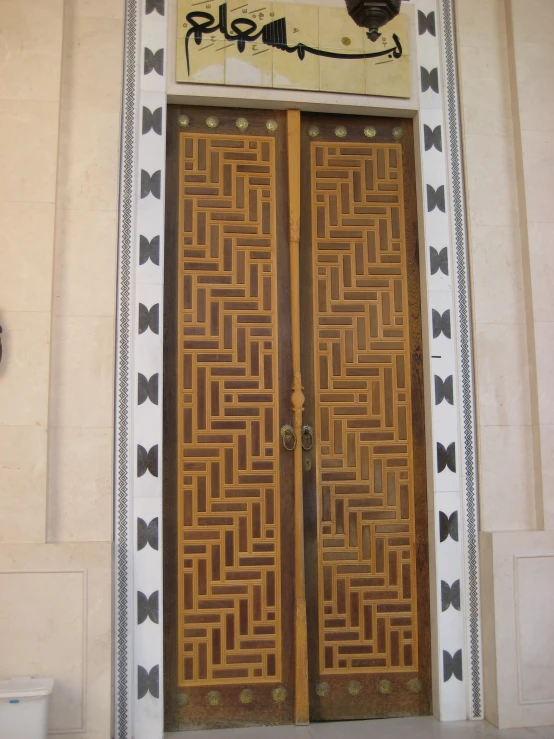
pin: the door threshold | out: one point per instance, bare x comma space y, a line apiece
425, 727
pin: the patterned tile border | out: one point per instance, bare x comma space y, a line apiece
138, 475
465, 353
124, 641
139, 614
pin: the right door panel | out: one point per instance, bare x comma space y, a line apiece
364, 486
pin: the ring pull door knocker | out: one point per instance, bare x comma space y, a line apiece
289, 437
307, 438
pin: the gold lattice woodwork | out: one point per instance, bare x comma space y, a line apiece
366, 537
228, 429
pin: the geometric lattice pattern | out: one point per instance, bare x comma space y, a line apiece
366, 540
228, 492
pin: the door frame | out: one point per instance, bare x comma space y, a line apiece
452, 495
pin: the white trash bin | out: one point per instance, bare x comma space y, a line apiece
24, 707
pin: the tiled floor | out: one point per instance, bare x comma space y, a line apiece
411, 728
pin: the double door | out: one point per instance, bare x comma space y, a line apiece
295, 527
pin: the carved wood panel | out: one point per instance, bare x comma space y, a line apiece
229, 527
367, 612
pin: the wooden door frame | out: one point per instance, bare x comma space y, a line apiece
138, 697
290, 139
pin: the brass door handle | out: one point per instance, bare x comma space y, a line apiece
307, 438
289, 437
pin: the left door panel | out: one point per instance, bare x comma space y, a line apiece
228, 490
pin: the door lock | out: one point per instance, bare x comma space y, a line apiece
289, 437
307, 438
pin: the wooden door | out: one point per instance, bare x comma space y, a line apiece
229, 546
248, 326
364, 478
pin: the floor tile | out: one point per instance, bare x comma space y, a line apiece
410, 728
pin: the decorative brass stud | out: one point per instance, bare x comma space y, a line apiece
214, 698
272, 126
279, 694
212, 121
313, 131
246, 696
322, 689
346, 41
370, 132
180, 700
341, 131
242, 124
415, 686
354, 687
398, 133
385, 687
184, 121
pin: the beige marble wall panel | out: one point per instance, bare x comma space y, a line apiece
28, 150
534, 74
544, 339
24, 369
106, 9
541, 247
92, 69
81, 484
503, 395
89, 160
481, 23
22, 480
491, 180
502, 375
523, 613
82, 372
83, 338
497, 284
547, 456
506, 478
30, 69
538, 162
532, 50
485, 89
85, 247
80, 481
67, 634
539, 32
26, 246
90, 110
488, 627
30, 49
535, 628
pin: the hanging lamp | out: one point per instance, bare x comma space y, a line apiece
373, 14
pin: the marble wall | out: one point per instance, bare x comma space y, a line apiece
507, 493
84, 276
60, 102
30, 87
531, 51
506, 79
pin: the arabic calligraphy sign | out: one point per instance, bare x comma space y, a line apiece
289, 45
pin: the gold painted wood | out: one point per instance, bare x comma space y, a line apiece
302, 715
367, 600
228, 542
